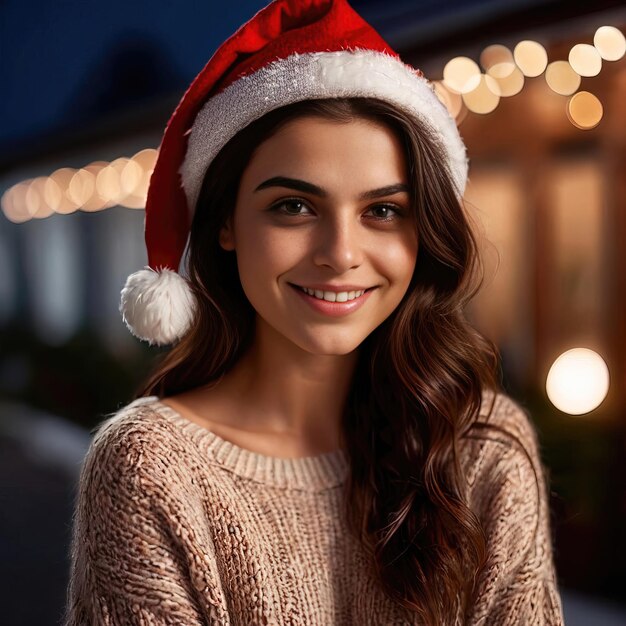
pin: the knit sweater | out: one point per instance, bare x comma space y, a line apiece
175, 525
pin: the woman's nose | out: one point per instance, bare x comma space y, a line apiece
339, 245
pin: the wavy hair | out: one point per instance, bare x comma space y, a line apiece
418, 383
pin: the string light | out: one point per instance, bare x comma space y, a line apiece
94, 202
512, 84
461, 75
610, 43
56, 194
81, 187
562, 78
584, 110
485, 97
531, 58
96, 186
578, 381
452, 100
14, 203
35, 199
497, 61
585, 59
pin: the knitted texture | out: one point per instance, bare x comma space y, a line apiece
175, 525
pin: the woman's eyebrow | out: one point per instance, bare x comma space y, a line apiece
388, 190
302, 185
293, 183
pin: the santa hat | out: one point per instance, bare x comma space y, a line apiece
289, 51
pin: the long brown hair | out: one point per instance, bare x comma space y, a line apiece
419, 377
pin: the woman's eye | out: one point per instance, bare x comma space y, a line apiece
289, 207
385, 212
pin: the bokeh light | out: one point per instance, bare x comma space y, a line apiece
585, 59
35, 198
461, 74
450, 99
584, 110
95, 202
14, 203
109, 182
562, 79
578, 381
57, 191
135, 178
497, 61
610, 43
485, 97
531, 57
512, 84
82, 187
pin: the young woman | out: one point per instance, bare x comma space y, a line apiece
326, 442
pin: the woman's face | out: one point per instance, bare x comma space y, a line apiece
324, 206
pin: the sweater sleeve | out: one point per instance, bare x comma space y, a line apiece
518, 585
127, 563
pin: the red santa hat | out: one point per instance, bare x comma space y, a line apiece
291, 50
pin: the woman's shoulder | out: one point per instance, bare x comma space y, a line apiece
503, 421
135, 422
137, 440
501, 449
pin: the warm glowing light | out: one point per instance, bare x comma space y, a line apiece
56, 191
485, 98
95, 202
610, 43
14, 203
135, 178
131, 176
585, 59
32, 200
96, 186
461, 74
584, 110
35, 199
498, 61
512, 84
562, 79
462, 114
82, 187
578, 381
451, 100
531, 57
109, 184
146, 158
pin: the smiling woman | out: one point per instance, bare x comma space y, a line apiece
335, 236
326, 441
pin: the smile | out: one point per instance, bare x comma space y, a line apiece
333, 303
333, 296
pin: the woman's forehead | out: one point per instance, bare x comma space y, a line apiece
351, 154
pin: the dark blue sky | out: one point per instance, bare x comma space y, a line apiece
56, 56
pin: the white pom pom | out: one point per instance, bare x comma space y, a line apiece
157, 306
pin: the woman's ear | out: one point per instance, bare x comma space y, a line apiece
226, 238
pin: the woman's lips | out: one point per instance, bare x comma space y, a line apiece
333, 309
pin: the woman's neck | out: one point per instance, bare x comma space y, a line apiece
279, 388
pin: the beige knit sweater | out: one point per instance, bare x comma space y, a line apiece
174, 525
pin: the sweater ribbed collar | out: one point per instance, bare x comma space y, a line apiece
311, 473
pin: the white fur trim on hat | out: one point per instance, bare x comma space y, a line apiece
315, 75
157, 306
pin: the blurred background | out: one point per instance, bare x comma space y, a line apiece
538, 89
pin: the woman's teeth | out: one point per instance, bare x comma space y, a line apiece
333, 296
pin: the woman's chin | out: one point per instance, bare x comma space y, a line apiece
330, 346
